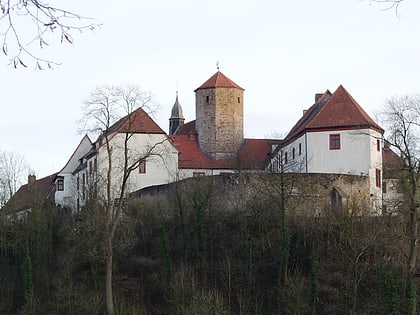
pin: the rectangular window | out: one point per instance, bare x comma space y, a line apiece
142, 167
90, 167
285, 158
300, 148
335, 142
384, 187
95, 165
378, 145
293, 153
60, 184
378, 178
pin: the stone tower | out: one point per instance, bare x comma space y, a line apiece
219, 116
177, 118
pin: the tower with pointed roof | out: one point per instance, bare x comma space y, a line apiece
177, 118
219, 116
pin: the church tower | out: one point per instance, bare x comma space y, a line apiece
177, 118
219, 116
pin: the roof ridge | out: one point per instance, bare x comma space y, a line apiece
341, 102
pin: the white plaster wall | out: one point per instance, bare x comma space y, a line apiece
161, 167
296, 165
67, 196
375, 163
353, 157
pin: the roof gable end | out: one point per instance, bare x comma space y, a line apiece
342, 111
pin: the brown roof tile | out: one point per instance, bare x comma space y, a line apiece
32, 194
254, 154
218, 80
136, 122
337, 110
186, 128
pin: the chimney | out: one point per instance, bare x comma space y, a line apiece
318, 96
31, 179
305, 111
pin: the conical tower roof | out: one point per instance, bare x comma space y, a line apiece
219, 80
177, 110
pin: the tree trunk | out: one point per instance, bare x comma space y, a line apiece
108, 280
411, 297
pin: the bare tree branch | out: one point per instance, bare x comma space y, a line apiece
390, 4
46, 22
13, 167
115, 114
402, 118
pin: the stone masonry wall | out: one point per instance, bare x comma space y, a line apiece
306, 194
219, 121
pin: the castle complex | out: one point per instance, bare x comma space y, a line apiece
334, 136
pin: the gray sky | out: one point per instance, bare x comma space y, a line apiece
281, 52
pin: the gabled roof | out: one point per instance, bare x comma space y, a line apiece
136, 122
333, 111
74, 158
35, 193
307, 117
218, 80
253, 154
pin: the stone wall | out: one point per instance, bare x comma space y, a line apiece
304, 194
219, 121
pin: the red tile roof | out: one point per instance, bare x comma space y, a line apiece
186, 128
338, 110
136, 122
390, 160
32, 194
254, 154
218, 80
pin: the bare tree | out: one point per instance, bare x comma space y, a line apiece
390, 4
401, 116
119, 157
13, 166
24, 23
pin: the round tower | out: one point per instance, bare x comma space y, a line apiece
177, 118
219, 116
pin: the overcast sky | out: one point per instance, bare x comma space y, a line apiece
280, 52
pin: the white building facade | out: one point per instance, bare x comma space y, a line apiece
335, 136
